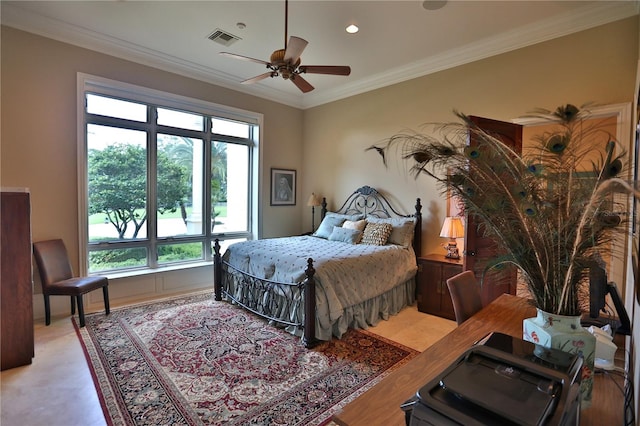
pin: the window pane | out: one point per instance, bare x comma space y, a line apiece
105, 260
179, 119
229, 187
170, 253
229, 128
116, 108
117, 177
179, 186
192, 186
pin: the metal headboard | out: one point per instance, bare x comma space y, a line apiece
369, 202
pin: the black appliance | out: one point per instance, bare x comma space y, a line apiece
501, 380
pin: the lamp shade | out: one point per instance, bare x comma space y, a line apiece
452, 228
313, 200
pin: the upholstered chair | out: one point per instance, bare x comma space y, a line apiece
58, 280
465, 295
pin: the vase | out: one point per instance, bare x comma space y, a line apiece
566, 334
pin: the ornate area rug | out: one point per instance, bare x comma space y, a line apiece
194, 361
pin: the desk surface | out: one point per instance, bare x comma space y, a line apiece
381, 404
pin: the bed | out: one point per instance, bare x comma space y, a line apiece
358, 267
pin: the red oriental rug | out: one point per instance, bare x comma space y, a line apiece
194, 361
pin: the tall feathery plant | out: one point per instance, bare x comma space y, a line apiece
549, 212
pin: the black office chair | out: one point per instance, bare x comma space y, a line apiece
58, 280
465, 295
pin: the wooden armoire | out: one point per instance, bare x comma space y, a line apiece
477, 247
16, 285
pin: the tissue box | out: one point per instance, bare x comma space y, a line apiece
605, 348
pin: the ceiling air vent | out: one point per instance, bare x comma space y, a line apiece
222, 37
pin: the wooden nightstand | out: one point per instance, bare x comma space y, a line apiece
431, 284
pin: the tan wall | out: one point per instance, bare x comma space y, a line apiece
39, 148
39, 127
597, 65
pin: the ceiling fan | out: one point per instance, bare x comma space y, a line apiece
286, 62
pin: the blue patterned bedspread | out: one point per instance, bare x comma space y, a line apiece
346, 274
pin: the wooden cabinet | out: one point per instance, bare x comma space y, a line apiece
432, 293
478, 247
16, 287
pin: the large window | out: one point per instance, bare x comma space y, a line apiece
164, 176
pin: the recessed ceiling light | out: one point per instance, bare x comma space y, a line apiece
352, 29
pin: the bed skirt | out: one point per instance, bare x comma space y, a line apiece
370, 312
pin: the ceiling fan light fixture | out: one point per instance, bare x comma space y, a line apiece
277, 56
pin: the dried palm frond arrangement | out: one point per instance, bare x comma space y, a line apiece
550, 213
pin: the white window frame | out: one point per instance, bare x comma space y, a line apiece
103, 86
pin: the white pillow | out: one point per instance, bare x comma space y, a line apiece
402, 232
358, 225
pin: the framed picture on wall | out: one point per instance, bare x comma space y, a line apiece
283, 187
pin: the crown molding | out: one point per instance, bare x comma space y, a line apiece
39, 24
591, 16
559, 26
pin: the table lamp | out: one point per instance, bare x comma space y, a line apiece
452, 228
313, 201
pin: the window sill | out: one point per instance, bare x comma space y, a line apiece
149, 271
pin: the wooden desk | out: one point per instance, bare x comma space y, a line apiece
381, 404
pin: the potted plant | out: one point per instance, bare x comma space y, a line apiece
552, 208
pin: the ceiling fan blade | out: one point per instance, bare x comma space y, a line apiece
325, 69
294, 49
244, 58
258, 78
301, 83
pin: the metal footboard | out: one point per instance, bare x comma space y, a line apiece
275, 301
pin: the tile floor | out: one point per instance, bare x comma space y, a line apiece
57, 388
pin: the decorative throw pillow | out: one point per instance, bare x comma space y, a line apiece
403, 227
346, 235
376, 233
357, 224
327, 224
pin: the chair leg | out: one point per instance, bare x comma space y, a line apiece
80, 310
73, 306
47, 310
105, 296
